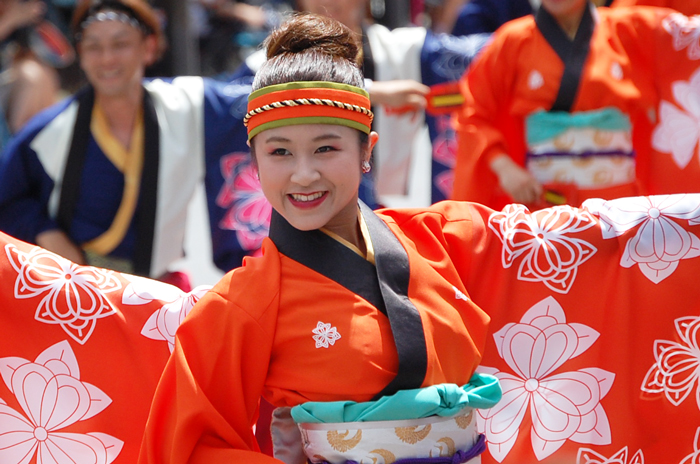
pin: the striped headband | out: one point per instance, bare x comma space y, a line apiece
313, 102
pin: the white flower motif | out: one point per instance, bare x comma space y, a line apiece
542, 239
325, 335
535, 80
616, 71
588, 456
686, 33
694, 457
677, 368
660, 242
163, 323
53, 397
564, 406
72, 296
460, 295
678, 131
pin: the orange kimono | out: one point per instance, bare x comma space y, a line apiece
81, 352
593, 315
624, 79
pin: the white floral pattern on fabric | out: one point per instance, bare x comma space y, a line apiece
564, 406
587, 456
460, 295
660, 243
694, 457
543, 241
163, 323
676, 371
72, 296
52, 397
678, 131
685, 31
325, 335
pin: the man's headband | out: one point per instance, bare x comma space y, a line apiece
109, 14
313, 102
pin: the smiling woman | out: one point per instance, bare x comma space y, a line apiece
365, 329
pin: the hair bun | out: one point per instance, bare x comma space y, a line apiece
308, 33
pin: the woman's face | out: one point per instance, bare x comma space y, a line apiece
311, 173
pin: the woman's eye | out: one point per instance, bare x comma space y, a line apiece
325, 149
279, 152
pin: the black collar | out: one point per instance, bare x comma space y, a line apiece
384, 285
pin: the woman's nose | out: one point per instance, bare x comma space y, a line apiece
305, 172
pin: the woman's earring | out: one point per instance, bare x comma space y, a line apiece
366, 167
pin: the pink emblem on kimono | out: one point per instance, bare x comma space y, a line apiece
677, 367
587, 456
686, 33
678, 131
249, 211
543, 243
660, 243
52, 398
564, 406
72, 296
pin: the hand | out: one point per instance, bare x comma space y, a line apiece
58, 242
407, 95
18, 14
516, 181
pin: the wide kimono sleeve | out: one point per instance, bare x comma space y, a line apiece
594, 327
207, 400
25, 185
674, 163
482, 122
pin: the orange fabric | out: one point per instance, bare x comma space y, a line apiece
261, 341
304, 111
687, 7
500, 91
589, 311
53, 309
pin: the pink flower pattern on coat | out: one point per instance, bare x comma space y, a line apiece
542, 241
660, 243
249, 211
563, 406
588, 456
72, 296
52, 398
677, 368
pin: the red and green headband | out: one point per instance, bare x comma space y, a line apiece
313, 102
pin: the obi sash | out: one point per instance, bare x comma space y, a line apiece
435, 424
589, 150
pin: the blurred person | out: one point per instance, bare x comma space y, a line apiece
560, 107
413, 164
29, 85
106, 176
485, 16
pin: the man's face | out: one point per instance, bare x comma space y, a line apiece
114, 56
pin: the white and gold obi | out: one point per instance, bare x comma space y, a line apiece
436, 423
591, 149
